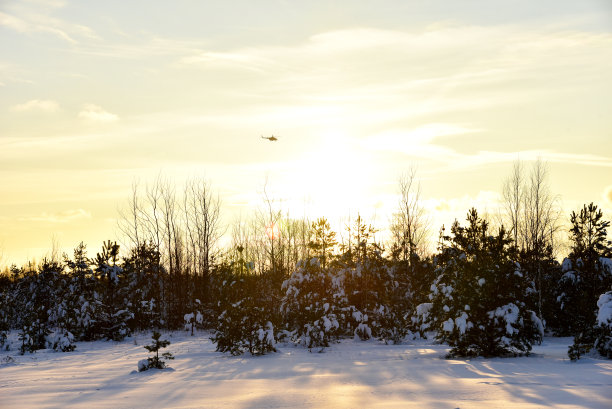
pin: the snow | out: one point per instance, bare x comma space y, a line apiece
352, 374
604, 315
142, 365
448, 325
566, 265
510, 314
424, 309
606, 263
462, 323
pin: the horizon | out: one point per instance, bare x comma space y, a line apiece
94, 98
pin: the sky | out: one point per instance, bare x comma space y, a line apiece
96, 96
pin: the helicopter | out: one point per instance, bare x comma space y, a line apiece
271, 138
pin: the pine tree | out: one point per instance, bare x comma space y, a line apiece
587, 274
155, 361
478, 297
309, 308
323, 241
114, 312
246, 320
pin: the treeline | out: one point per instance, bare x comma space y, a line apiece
485, 290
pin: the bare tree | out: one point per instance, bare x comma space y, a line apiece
533, 214
55, 253
268, 220
202, 224
541, 211
129, 221
410, 225
513, 195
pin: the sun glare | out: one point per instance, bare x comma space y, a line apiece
334, 176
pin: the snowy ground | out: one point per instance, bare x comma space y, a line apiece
351, 374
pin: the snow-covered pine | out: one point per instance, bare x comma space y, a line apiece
587, 275
308, 306
477, 298
245, 323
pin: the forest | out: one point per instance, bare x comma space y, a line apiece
493, 286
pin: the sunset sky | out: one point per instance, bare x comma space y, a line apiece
95, 95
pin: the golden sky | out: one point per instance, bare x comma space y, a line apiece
95, 95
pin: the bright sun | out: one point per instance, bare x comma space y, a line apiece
333, 176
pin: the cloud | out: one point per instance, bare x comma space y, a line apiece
93, 112
48, 3
418, 141
34, 17
61, 217
45, 105
489, 157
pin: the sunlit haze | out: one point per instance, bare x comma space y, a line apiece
95, 96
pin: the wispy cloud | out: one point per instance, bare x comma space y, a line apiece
34, 17
45, 105
490, 157
418, 141
48, 3
61, 217
93, 112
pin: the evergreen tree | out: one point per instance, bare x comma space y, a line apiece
114, 312
323, 241
82, 300
155, 361
478, 297
143, 280
587, 274
246, 320
309, 307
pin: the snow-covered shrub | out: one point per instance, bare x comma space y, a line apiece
366, 288
155, 361
61, 340
421, 320
603, 342
477, 298
194, 319
393, 324
242, 327
308, 305
262, 340
245, 323
598, 336
27, 342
